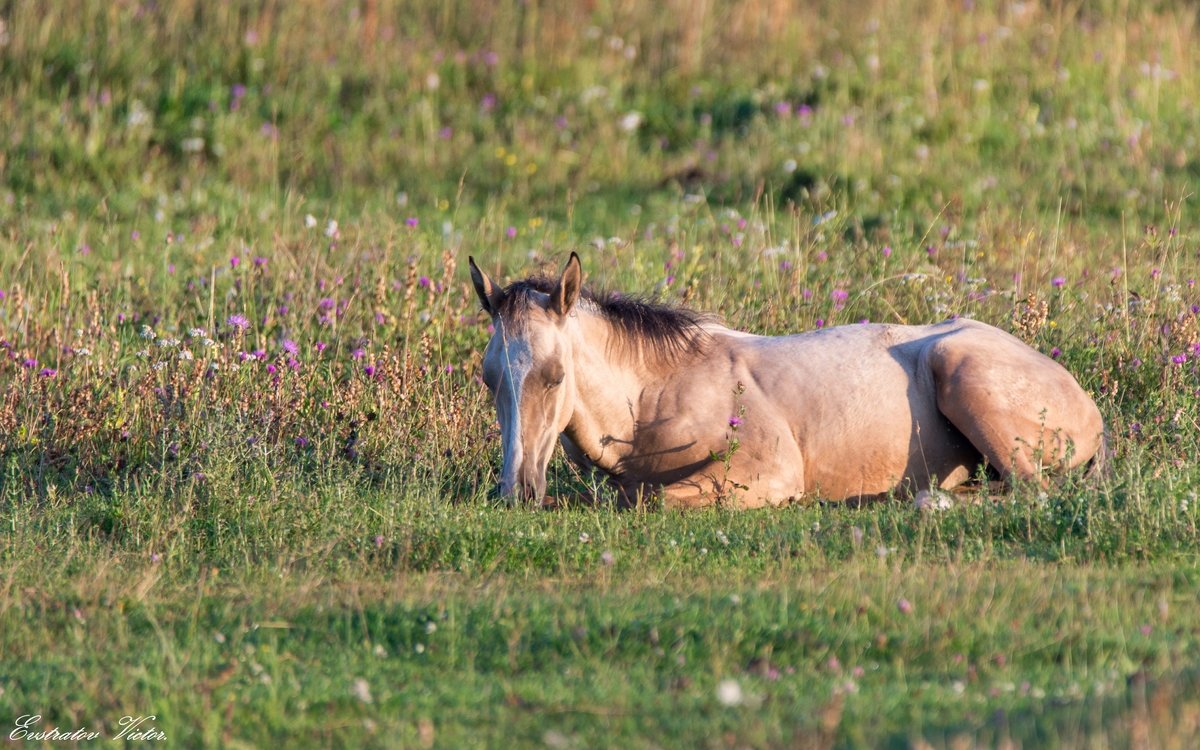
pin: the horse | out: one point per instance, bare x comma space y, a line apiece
669, 403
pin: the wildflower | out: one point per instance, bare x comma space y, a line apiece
361, 690
1056, 352
259, 261
378, 541
1179, 359
631, 121
155, 557
839, 297
83, 351
234, 262
47, 372
302, 442
412, 222
147, 333
238, 322
290, 347
29, 363
735, 422
905, 606
887, 251
606, 557
310, 221
423, 281
584, 537
320, 346
331, 229
357, 353
369, 370
186, 355
196, 333
729, 693
1058, 281
511, 232
722, 538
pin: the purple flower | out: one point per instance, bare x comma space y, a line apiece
320, 345
234, 262
887, 251
272, 369
1056, 352
238, 322
1178, 359
369, 370
357, 353
29, 363
905, 606
301, 442
735, 422
49, 372
412, 221
259, 261
289, 346
326, 303
820, 323
511, 232
135, 235
1058, 282
423, 281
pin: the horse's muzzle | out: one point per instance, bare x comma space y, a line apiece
520, 491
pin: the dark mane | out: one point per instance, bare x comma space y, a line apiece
667, 332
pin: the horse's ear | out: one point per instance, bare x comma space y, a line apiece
570, 284
490, 295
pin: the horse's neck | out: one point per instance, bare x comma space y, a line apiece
608, 392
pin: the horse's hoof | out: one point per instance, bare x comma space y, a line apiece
931, 500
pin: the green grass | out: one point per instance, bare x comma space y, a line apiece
274, 529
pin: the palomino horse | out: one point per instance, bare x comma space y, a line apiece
667, 402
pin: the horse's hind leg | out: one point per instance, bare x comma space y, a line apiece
1019, 408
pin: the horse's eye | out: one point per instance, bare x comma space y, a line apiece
554, 375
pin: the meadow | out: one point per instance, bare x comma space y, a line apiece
246, 454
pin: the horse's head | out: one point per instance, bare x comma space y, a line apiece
528, 369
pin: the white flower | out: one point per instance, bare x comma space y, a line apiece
147, 333
83, 351
310, 221
331, 229
584, 538
196, 333
729, 693
631, 121
722, 538
186, 355
361, 689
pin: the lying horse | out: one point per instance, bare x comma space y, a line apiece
667, 402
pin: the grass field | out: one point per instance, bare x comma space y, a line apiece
246, 452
